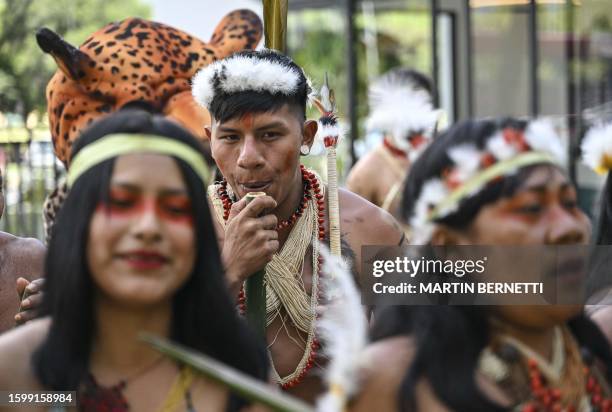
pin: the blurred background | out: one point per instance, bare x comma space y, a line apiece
487, 58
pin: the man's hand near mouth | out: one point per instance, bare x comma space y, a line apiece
250, 239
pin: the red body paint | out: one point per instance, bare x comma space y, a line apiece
172, 208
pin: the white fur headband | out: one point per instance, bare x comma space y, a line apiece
241, 73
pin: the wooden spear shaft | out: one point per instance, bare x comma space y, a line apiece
330, 135
332, 198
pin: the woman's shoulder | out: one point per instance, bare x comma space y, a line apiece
205, 392
388, 362
16, 348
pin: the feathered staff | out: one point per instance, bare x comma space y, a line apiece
343, 328
329, 134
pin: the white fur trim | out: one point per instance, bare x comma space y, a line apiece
244, 74
596, 146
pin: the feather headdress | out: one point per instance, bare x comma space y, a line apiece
597, 148
245, 72
343, 329
402, 110
472, 169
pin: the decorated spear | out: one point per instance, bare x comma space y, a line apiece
275, 29
329, 134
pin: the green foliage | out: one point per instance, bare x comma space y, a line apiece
24, 68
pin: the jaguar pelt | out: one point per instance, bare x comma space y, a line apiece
139, 62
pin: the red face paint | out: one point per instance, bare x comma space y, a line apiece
175, 208
247, 121
526, 207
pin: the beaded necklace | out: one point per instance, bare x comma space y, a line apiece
312, 205
393, 149
96, 398
568, 384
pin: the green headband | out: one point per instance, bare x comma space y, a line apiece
501, 168
114, 145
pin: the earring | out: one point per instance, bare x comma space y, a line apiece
304, 150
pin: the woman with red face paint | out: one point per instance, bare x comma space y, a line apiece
133, 250
489, 183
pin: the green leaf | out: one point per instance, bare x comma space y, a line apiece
238, 382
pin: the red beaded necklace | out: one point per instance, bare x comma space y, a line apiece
394, 150
284, 224
549, 399
312, 191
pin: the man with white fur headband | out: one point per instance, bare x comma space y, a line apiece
257, 101
401, 108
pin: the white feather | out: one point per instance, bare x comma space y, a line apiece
402, 112
541, 136
597, 145
467, 160
329, 131
241, 73
343, 329
399, 108
312, 94
379, 91
433, 192
499, 147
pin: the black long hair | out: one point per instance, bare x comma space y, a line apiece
204, 317
450, 339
